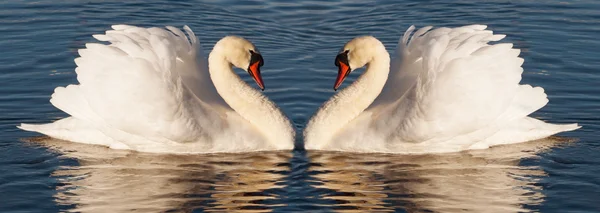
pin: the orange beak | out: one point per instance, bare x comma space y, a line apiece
343, 71
254, 70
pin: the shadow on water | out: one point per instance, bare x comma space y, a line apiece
106, 180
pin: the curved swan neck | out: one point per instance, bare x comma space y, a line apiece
347, 104
248, 102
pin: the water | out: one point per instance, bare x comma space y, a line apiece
39, 40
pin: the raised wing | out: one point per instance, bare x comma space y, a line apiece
147, 81
450, 81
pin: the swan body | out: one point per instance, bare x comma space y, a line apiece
448, 90
152, 90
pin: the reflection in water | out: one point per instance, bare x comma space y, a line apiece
490, 180
120, 181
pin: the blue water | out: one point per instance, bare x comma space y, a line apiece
299, 40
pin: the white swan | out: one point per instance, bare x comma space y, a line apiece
150, 90
448, 90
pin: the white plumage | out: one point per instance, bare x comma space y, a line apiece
448, 90
153, 90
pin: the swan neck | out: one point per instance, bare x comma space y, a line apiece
350, 102
368, 86
248, 102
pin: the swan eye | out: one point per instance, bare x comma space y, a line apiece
256, 57
342, 58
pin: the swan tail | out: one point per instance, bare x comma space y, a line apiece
523, 130
32, 127
73, 129
49, 129
76, 128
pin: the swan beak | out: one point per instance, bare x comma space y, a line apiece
254, 70
343, 71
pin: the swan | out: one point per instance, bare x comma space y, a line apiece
448, 90
152, 90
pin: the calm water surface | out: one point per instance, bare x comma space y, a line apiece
299, 41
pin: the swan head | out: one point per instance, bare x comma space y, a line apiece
242, 54
355, 54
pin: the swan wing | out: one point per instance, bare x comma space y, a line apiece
450, 82
146, 84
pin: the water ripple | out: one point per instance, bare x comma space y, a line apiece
299, 40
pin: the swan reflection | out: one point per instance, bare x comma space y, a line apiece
491, 180
106, 180
499, 179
